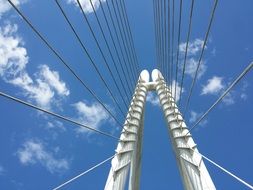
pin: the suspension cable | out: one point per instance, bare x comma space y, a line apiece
56, 115
178, 42
83, 173
119, 36
116, 49
225, 170
165, 40
90, 58
109, 49
155, 27
162, 34
122, 34
123, 23
186, 52
245, 71
172, 46
63, 61
169, 43
201, 55
167, 35
130, 31
159, 34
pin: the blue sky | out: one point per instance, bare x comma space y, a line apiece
40, 152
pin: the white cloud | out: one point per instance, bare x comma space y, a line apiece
13, 55
55, 125
193, 47
5, 5
2, 170
229, 99
38, 91
53, 79
86, 5
153, 99
194, 116
92, 115
244, 96
34, 152
13, 62
45, 87
233, 95
177, 90
213, 52
191, 66
214, 86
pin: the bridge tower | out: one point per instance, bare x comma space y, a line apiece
126, 164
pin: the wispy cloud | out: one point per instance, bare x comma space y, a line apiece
243, 94
86, 5
42, 90
92, 115
2, 170
34, 152
229, 99
55, 125
14, 59
213, 52
13, 55
194, 116
53, 79
214, 86
177, 87
5, 6
153, 99
191, 66
194, 48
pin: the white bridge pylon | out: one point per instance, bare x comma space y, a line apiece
126, 165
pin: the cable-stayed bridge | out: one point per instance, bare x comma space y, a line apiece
127, 86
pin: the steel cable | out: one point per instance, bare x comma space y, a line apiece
186, 52
63, 61
56, 115
200, 58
